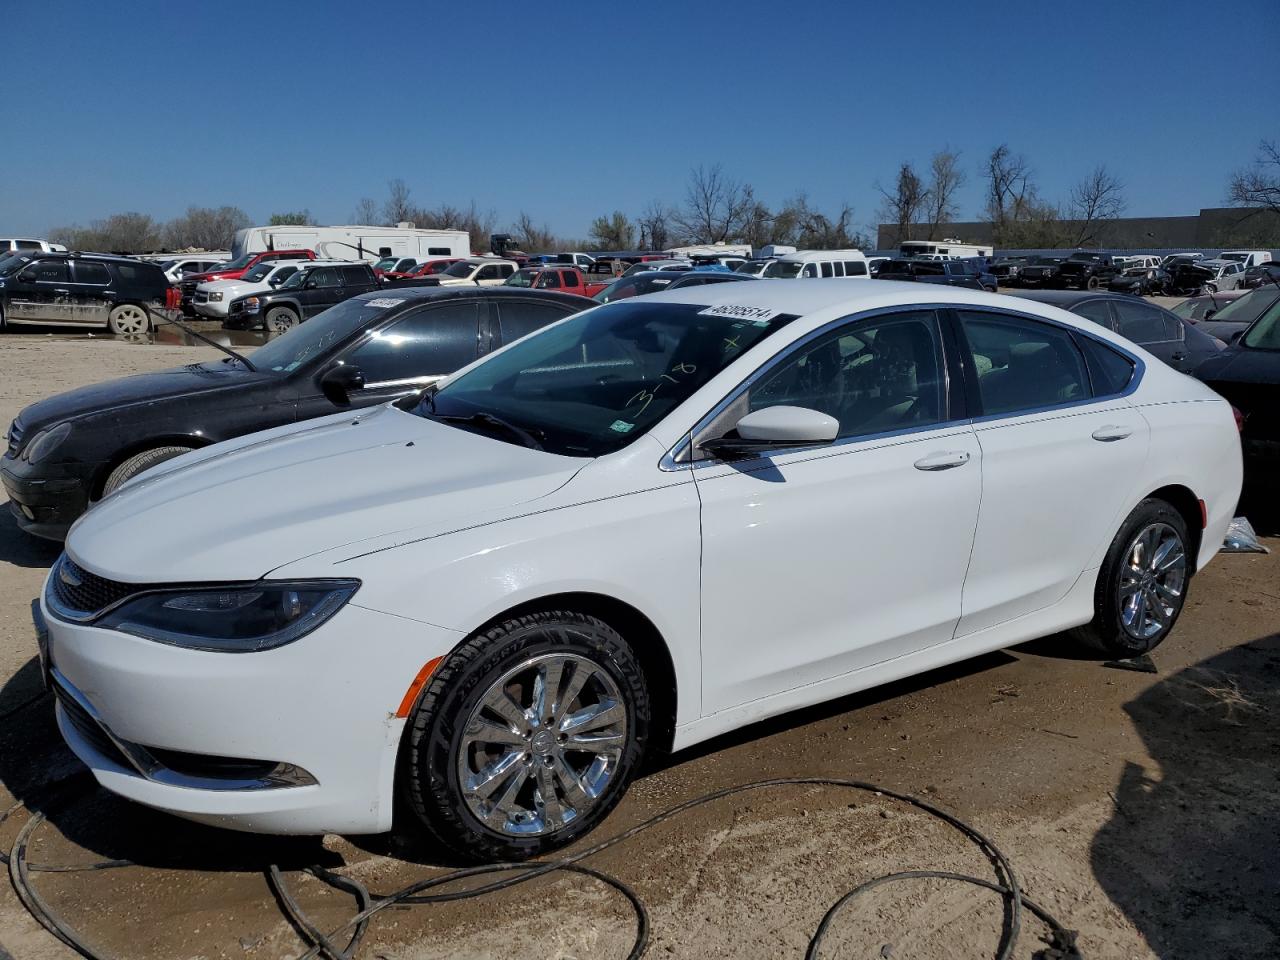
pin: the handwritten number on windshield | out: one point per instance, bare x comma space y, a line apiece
646, 397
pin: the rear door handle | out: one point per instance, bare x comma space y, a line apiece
1111, 432
945, 460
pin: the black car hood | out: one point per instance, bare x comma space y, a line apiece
140, 388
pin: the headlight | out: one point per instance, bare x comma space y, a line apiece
215, 296
45, 442
238, 619
252, 304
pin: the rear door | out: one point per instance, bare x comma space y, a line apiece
518, 317
1155, 331
91, 290
1058, 444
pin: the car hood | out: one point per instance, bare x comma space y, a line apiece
238, 510
226, 285
140, 388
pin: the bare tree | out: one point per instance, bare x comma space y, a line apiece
1258, 186
715, 207
655, 226
1011, 191
614, 232
946, 178
478, 225
205, 228
533, 238
1095, 201
118, 233
397, 208
366, 213
901, 206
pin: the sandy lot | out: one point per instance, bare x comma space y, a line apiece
1141, 809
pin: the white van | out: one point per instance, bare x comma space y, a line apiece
43, 246
819, 263
478, 271
942, 249
1246, 258
370, 244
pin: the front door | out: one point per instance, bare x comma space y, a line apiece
820, 562
321, 291
1058, 449
41, 292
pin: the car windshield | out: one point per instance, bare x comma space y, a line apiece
295, 282
783, 270
633, 286
317, 336
1247, 307
521, 278
260, 272
1085, 257
12, 263
388, 263
591, 384
1265, 332
1234, 257
239, 263
461, 269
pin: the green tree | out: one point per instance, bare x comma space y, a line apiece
614, 232
295, 218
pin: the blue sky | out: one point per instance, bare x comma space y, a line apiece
567, 112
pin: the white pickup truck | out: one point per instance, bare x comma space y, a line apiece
478, 271
212, 298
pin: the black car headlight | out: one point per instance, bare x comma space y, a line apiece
232, 619
44, 443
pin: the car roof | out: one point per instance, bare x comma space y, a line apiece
424, 294
77, 255
1066, 299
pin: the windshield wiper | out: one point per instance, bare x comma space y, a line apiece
231, 354
483, 419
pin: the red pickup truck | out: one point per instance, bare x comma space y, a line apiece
550, 276
234, 270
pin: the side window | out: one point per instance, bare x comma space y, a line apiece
27, 245
95, 273
571, 279
1140, 322
549, 280
838, 267
855, 268
810, 270
1109, 369
428, 342
1173, 328
1023, 365
284, 273
489, 272
826, 269
355, 275
1095, 310
873, 376
50, 271
324, 277
438, 251
519, 317
505, 270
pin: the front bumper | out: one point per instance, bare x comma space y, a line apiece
46, 503
324, 705
214, 310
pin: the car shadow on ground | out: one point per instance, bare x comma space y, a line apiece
22, 549
38, 769
1192, 852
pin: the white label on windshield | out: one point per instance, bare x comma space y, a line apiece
757, 315
383, 302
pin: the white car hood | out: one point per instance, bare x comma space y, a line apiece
237, 510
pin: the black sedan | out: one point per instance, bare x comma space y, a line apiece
1232, 318
70, 450
1140, 281
1177, 342
1247, 373
656, 281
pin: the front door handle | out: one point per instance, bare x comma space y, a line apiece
1111, 432
945, 460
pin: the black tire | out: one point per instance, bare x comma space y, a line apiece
429, 777
279, 320
1091, 283
139, 462
4, 324
1107, 631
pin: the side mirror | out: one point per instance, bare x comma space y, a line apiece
28, 275
338, 383
1208, 314
310, 284
773, 428
275, 281
1235, 337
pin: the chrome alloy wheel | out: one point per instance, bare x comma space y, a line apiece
542, 745
129, 320
1152, 580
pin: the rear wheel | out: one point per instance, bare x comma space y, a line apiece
280, 319
526, 737
138, 463
128, 319
1142, 584
1091, 283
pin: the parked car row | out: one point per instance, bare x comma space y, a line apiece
1179, 274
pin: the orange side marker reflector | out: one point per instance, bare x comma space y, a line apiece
420, 681
1204, 515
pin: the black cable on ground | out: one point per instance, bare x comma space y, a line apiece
1062, 941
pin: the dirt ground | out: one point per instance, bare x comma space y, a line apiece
1140, 809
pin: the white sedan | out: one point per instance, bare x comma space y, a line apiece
646, 525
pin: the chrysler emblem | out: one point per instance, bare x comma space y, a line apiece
69, 576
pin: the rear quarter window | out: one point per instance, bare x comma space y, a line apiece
1110, 370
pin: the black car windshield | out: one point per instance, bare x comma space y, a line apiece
591, 384
1265, 332
1085, 256
260, 271
12, 263
317, 336
650, 281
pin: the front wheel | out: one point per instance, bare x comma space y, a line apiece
280, 319
138, 463
1142, 584
1091, 283
526, 737
1211, 288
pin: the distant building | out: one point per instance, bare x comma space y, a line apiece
1212, 227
